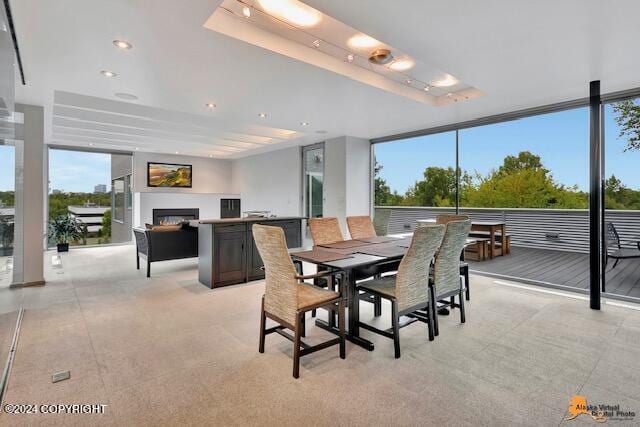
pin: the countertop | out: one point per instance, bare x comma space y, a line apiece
245, 220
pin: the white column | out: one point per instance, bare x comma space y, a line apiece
30, 197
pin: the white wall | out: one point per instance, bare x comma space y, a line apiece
270, 181
209, 175
335, 176
211, 182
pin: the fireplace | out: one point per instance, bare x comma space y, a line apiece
174, 216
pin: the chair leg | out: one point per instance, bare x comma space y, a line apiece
148, 267
615, 263
313, 313
137, 261
263, 321
434, 307
377, 306
395, 320
341, 323
452, 301
303, 325
430, 314
466, 284
296, 347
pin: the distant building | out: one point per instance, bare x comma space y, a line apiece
56, 191
100, 188
88, 214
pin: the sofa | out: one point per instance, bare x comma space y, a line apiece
164, 243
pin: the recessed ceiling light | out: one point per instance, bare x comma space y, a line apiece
108, 73
449, 95
401, 64
408, 81
292, 11
427, 88
177, 152
137, 148
127, 96
363, 41
350, 58
210, 155
446, 81
210, 105
263, 115
304, 123
246, 11
91, 143
121, 44
316, 43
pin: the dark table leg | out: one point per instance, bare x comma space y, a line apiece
353, 303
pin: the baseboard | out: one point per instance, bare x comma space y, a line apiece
28, 284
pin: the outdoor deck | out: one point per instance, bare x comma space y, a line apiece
563, 268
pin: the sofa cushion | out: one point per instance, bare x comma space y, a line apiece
161, 228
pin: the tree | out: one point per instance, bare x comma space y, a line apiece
628, 118
382, 193
522, 181
438, 188
105, 231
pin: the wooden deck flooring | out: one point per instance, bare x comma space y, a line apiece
563, 268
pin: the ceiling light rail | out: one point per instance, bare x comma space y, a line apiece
387, 66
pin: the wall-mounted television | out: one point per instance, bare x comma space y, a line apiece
168, 175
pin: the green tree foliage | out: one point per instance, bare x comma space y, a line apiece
628, 118
105, 231
7, 198
59, 202
382, 193
521, 181
438, 188
617, 196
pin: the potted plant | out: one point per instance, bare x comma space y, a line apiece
62, 230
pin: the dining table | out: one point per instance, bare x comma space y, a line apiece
490, 227
356, 259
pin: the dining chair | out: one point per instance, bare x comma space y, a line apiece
446, 218
381, 219
361, 227
286, 299
408, 290
446, 281
464, 267
325, 230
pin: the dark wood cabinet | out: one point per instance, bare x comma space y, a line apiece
228, 254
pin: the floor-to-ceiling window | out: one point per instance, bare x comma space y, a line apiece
417, 177
89, 190
7, 212
622, 197
532, 174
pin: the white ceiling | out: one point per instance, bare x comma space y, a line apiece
521, 54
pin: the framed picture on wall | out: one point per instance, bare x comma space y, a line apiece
168, 175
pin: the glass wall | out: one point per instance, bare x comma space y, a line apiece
524, 183
622, 198
80, 189
7, 213
417, 171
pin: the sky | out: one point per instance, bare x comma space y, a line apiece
71, 171
560, 139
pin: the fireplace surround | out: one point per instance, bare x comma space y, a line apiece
174, 216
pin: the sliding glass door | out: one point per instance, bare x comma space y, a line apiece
7, 212
622, 199
313, 180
